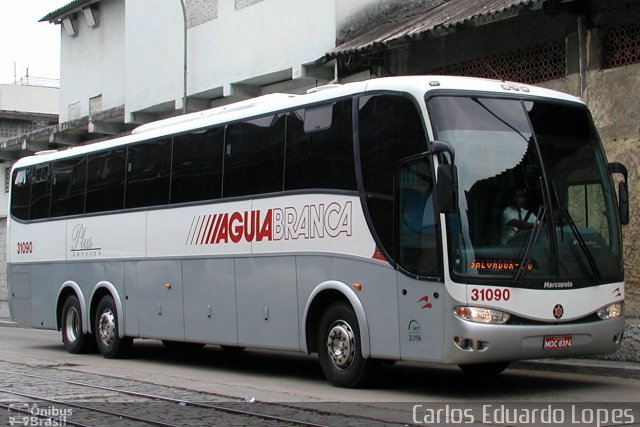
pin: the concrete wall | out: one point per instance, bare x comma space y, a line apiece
612, 96
93, 62
32, 99
232, 43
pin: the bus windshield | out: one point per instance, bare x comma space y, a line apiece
536, 205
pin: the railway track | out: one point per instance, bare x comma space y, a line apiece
84, 403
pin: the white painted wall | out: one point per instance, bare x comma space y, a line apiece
31, 99
93, 62
153, 53
227, 47
266, 37
135, 55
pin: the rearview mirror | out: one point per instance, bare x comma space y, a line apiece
623, 191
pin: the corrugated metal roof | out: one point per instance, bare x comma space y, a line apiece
432, 19
61, 13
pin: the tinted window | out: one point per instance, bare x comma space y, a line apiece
197, 166
21, 193
320, 148
105, 181
390, 129
254, 154
40, 192
417, 242
68, 186
148, 174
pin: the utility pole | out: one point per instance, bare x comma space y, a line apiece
184, 48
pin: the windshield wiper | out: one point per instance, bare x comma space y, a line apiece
583, 245
527, 253
574, 229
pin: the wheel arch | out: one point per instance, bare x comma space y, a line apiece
100, 290
321, 297
67, 289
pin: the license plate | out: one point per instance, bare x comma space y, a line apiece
553, 343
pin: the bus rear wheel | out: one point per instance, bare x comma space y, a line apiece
106, 328
483, 370
74, 340
339, 347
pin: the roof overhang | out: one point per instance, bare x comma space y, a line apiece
58, 15
432, 20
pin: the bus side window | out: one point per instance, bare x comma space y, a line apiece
68, 186
390, 130
254, 156
197, 166
21, 194
40, 192
148, 174
417, 252
105, 181
319, 152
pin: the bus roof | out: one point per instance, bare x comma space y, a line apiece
415, 85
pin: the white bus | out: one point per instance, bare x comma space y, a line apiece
365, 222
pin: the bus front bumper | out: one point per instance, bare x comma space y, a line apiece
469, 342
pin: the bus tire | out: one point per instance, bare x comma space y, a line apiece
339, 347
74, 340
483, 370
106, 327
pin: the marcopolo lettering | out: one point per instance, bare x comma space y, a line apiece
288, 223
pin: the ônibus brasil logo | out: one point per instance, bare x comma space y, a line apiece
308, 222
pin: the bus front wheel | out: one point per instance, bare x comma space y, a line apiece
74, 340
106, 328
339, 348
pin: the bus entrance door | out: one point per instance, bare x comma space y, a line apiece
421, 313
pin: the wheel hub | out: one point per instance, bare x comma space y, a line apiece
107, 327
341, 344
72, 325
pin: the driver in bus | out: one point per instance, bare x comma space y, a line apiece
516, 217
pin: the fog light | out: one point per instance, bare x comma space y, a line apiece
611, 312
480, 314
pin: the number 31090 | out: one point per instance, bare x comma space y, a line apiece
25, 248
489, 294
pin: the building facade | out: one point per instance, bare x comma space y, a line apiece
126, 62
23, 109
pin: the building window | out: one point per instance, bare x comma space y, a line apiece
7, 179
200, 11
540, 63
623, 45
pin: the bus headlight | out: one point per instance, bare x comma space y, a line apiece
480, 314
611, 312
